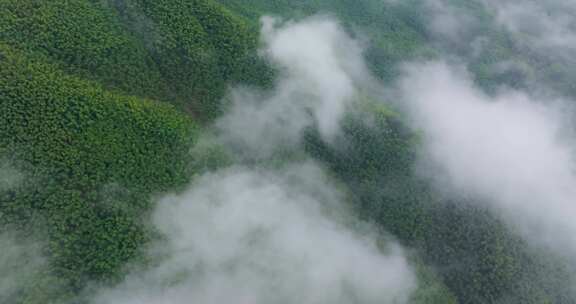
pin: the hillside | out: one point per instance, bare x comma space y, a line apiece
113, 112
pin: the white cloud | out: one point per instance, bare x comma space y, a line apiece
248, 236
321, 67
545, 25
506, 150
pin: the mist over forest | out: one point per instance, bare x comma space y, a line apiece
276, 151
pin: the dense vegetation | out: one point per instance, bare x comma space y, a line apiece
102, 100
91, 158
183, 52
480, 260
395, 32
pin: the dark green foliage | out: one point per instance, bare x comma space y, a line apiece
431, 289
478, 258
199, 48
394, 33
186, 52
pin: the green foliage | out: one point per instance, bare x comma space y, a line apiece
431, 289
91, 159
82, 123
394, 32
202, 48
477, 257
58, 121
186, 52
83, 39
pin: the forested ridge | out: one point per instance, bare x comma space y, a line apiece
106, 105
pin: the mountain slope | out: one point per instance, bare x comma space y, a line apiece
101, 102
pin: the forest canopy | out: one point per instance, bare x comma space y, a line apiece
304, 151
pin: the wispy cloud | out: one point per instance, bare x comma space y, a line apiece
321, 67
284, 235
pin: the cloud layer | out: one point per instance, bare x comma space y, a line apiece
506, 151
246, 236
545, 25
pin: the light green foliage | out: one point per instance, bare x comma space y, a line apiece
185, 52
75, 141
74, 127
84, 40
92, 153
